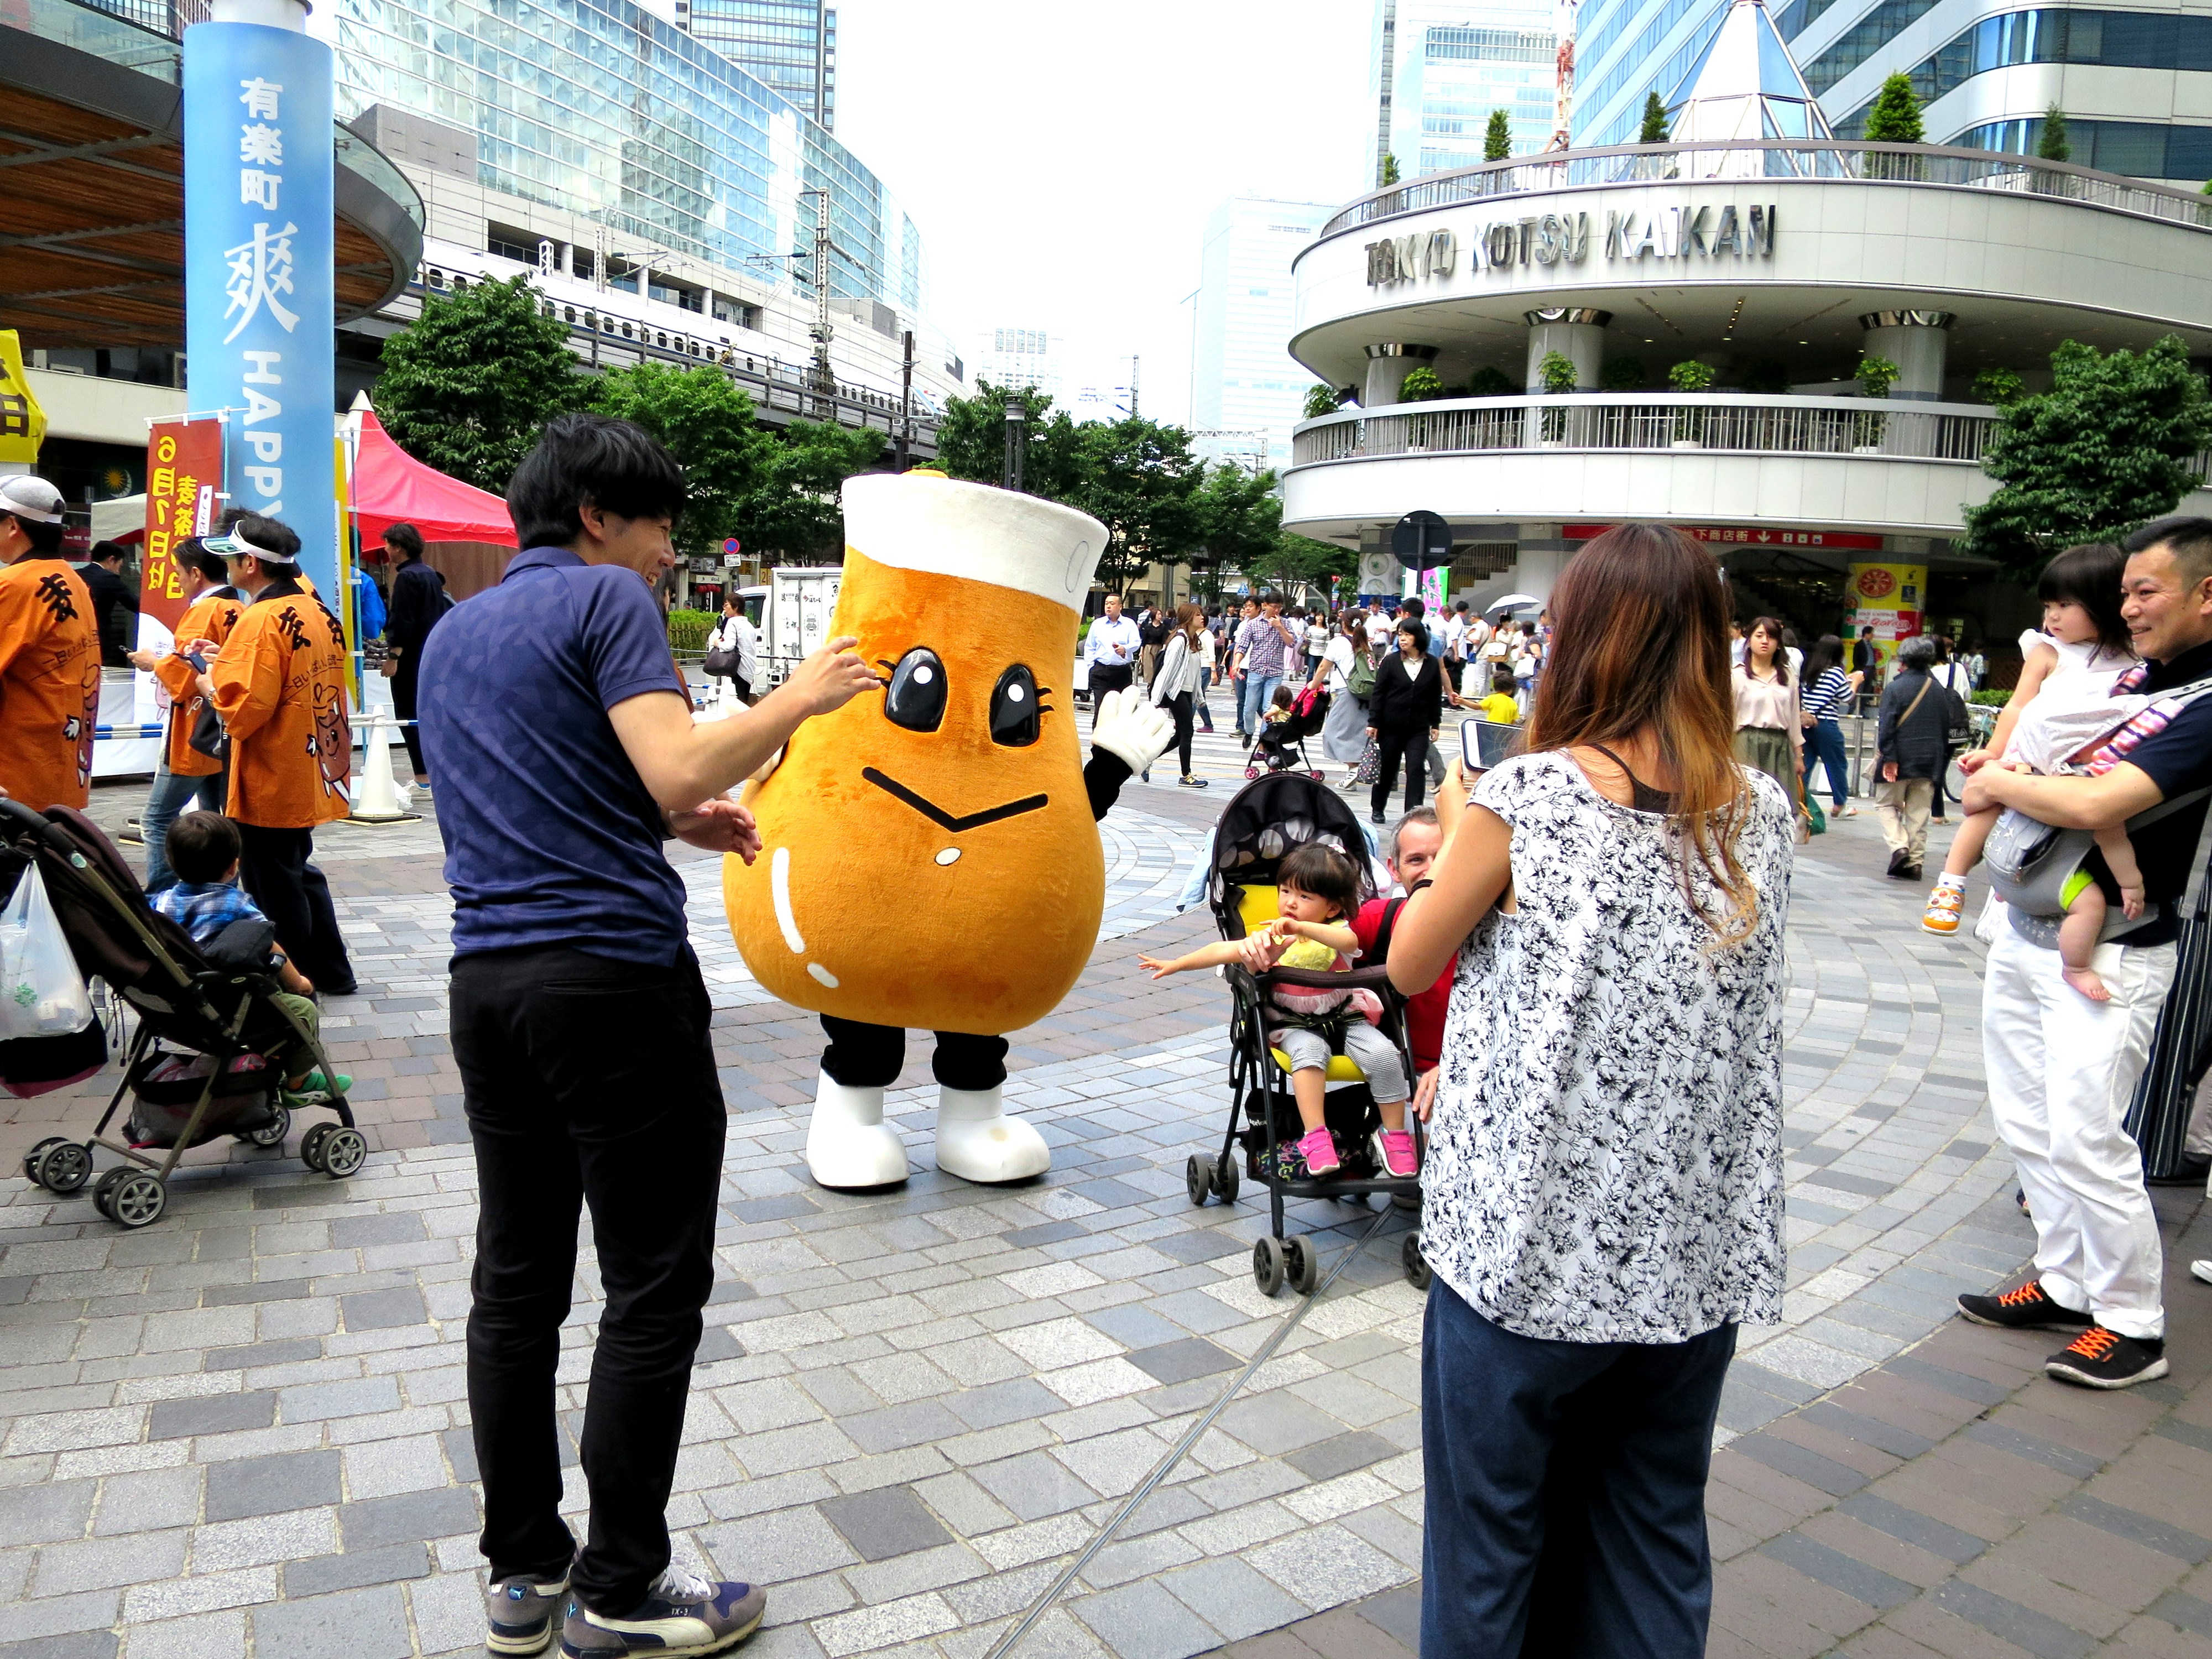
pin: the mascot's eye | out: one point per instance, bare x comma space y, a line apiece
1015, 709
916, 697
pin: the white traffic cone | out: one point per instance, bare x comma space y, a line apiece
375, 796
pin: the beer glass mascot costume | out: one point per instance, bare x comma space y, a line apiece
930, 860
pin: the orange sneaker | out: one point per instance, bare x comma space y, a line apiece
1944, 906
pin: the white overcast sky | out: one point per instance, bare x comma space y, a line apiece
1061, 156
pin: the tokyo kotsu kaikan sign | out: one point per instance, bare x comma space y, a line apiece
1703, 231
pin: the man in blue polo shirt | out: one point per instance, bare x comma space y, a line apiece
562, 737
2062, 1068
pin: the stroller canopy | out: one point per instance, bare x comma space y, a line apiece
1276, 813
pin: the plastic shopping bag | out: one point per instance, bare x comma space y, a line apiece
42, 993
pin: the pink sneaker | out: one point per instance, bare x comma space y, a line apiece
1318, 1148
1395, 1152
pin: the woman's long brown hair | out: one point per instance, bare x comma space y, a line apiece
1639, 638
1190, 618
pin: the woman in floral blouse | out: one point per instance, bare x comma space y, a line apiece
1602, 1203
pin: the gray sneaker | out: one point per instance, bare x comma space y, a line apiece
519, 1613
681, 1615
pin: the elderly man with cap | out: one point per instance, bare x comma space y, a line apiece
49, 655
186, 776
278, 684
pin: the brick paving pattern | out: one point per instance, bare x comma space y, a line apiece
243, 1430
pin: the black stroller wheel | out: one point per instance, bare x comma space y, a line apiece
1224, 1181
103, 1192
272, 1133
1301, 1265
31, 1158
1198, 1179
343, 1152
1268, 1265
138, 1199
311, 1145
64, 1168
1416, 1264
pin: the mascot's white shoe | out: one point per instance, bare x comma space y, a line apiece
848, 1142
977, 1141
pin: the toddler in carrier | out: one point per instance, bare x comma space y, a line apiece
203, 850
1317, 891
2056, 723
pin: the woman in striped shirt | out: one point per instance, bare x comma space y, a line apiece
1830, 693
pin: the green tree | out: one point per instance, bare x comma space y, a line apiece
2108, 447
1655, 121
1291, 559
467, 385
972, 441
1999, 387
1240, 520
1895, 116
1389, 171
1498, 136
706, 419
1321, 401
2051, 145
794, 513
1138, 478
1421, 384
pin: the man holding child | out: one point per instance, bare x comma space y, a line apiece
2062, 1068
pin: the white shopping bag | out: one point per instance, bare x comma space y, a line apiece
42, 993
1992, 921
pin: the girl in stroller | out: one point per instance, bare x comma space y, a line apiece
1318, 892
1298, 713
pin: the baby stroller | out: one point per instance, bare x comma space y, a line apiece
1266, 820
1281, 745
207, 1058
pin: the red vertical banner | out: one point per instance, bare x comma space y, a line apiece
184, 475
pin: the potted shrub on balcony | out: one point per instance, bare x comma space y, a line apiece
1690, 376
1556, 372
1875, 376
1420, 385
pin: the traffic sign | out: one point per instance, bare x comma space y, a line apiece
1422, 540
730, 546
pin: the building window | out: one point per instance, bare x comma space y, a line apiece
506, 243
2140, 150
2123, 39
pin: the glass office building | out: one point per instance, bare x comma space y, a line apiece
1438, 68
1245, 387
2136, 86
602, 108
791, 45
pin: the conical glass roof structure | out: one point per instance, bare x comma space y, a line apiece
1743, 87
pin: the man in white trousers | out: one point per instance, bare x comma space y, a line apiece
2062, 1067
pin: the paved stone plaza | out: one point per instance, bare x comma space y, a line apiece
921, 1416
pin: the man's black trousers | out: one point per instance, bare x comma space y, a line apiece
587, 1081
273, 868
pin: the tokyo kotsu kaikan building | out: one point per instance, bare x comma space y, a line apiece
1582, 293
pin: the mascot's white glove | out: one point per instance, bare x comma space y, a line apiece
1134, 730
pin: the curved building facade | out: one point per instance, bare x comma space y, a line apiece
1772, 266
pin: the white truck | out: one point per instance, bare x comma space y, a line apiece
791, 615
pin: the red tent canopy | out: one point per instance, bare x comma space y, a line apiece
391, 487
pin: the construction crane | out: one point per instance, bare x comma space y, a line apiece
1563, 102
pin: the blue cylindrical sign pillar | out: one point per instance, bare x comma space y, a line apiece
259, 301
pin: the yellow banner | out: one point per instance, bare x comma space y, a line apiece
22, 422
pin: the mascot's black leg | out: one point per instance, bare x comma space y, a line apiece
848, 1145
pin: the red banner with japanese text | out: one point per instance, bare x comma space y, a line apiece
183, 477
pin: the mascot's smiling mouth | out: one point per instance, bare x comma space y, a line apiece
943, 819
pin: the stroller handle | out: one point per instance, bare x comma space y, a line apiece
25, 821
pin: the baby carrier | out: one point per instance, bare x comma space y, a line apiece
212, 1042
2033, 864
1266, 821
1280, 745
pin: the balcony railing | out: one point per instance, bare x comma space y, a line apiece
1728, 422
1780, 158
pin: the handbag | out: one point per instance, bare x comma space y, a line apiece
1371, 765
207, 736
721, 664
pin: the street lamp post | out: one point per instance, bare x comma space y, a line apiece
1016, 435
